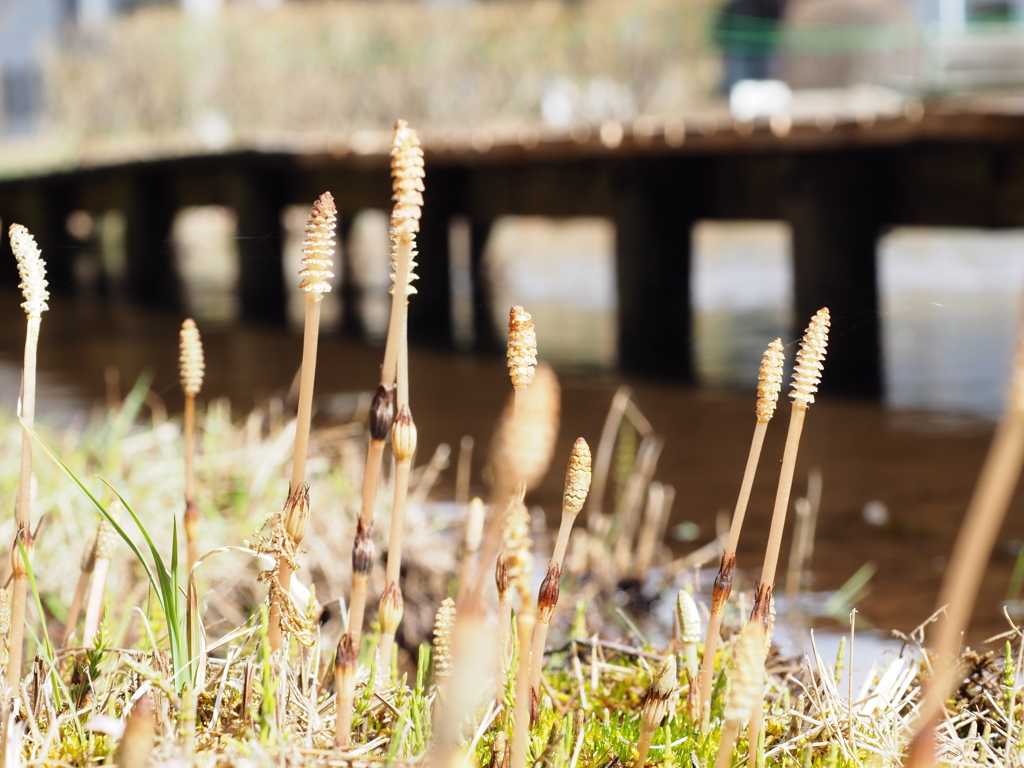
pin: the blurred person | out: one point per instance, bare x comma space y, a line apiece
746, 31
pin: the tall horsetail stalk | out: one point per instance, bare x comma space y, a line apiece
382, 409
501, 582
85, 569
192, 368
519, 558
291, 523
513, 565
806, 378
382, 415
32, 270
103, 553
764, 617
472, 535
524, 439
985, 513
403, 445
407, 188
768, 386
407, 194
577, 484
746, 688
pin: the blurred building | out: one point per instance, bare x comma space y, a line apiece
955, 46
27, 27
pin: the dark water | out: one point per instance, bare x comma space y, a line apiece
896, 475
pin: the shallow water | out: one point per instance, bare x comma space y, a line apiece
896, 476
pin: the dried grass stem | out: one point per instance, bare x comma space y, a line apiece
999, 477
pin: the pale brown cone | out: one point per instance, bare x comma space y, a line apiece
522, 347
810, 359
318, 248
525, 438
191, 364
577, 478
769, 380
32, 270
444, 626
407, 181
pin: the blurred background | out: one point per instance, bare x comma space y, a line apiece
666, 185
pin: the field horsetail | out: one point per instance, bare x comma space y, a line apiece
162, 672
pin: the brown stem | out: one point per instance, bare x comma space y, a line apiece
310, 335
707, 667
605, 448
190, 447
525, 622
540, 637
723, 584
94, 610
284, 575
371, 476
754, 726
384, 652
16, 638
463, 471
23, 514
643, 744
492, 541
394, 564
985, 513
693, 704
76, 605
344, 683
389, 615
730, 734
303, 417
474, 517
190, 521
504, 630
399, 302
771, 557
357, 609
357, 601
562, 542
390, 611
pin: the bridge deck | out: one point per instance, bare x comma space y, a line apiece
837, 175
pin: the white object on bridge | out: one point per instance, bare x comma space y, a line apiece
750, 99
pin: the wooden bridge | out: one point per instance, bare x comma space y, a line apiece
838, 179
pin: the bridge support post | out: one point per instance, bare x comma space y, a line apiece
149, 206
834, 208
487, 336
430, 310
259, 199
655, 209
351, 322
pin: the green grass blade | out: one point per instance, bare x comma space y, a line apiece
101, 509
